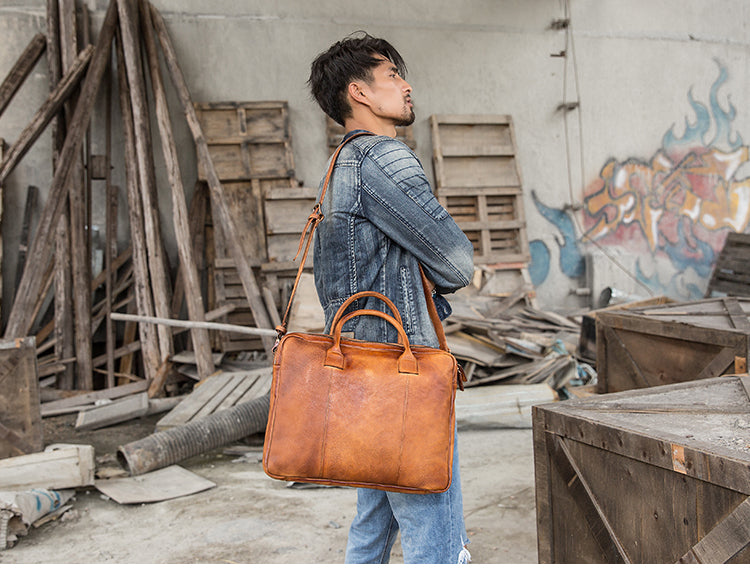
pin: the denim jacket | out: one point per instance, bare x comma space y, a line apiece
381, 221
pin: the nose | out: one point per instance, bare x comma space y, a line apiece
407, 88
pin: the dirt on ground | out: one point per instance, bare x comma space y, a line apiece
248, 518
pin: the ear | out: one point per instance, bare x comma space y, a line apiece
358, 92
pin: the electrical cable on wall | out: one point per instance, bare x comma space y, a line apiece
569, 53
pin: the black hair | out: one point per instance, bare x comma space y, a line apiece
350, 59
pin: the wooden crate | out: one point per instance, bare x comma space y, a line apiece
20, 413
656, 475
677, 342
587, 338
731, 273
479, 182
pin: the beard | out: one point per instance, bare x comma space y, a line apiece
407, 118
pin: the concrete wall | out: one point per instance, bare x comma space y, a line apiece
644, 177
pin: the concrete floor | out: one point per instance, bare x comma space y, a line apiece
248, 518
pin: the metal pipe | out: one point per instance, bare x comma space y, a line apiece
173, 445
194, 324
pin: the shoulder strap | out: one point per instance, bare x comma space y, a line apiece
316, 216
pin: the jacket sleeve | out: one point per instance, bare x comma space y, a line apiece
398, 199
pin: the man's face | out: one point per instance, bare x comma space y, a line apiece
390, 94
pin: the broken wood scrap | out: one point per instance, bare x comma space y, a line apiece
124, 409
57, 467
83, 401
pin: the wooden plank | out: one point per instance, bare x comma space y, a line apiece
46, 113
128, 11
58, 467
21, 69
219, 204
127, 408
193, 295
29, 287
78, 261
149, 343
73, 403
725, 540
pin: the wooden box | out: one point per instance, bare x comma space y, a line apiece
666, 344
587, 338
656, 475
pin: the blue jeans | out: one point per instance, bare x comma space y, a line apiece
432, 525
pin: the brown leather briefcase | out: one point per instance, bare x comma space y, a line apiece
362, 414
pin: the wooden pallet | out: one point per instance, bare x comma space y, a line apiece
731, 274
218, 392
250, 146
479, 182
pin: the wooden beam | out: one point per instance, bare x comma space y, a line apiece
146, 176
143, 298
219, 203
29, 288
193, 296
79, 261
46, 112
22, 69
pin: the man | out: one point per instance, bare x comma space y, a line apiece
381, 222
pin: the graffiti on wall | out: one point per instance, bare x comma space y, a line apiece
674, 209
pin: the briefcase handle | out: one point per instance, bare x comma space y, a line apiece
407, 363
360, 295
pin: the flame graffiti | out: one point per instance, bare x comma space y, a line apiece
683, 201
